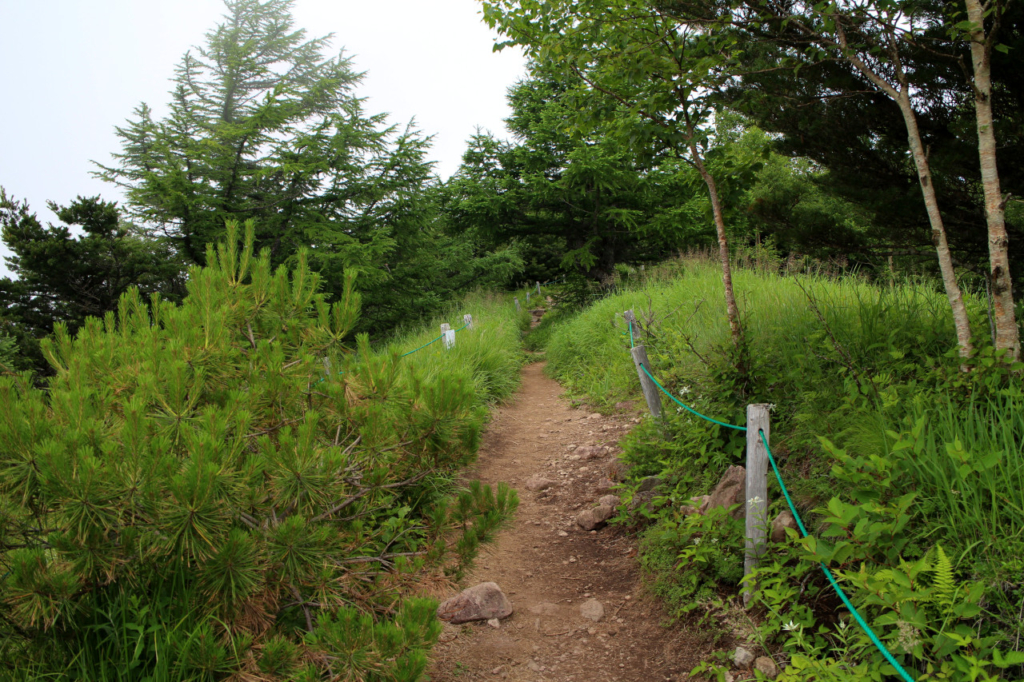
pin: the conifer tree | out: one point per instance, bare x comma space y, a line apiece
192, 472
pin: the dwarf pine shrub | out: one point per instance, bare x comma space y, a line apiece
195, 496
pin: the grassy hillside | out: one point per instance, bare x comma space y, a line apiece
907, 470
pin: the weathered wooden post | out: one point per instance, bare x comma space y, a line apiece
527, 298
538, 288
447, 336
757, 492
467, 320
639, 354
518, 308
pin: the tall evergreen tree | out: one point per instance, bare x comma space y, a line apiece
65, 278
264, 126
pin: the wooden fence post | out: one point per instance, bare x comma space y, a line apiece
538, 288
527, 298
467, 320
639, 354
757, 492
518, 308
448, 336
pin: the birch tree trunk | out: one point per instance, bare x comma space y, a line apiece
931, 202
1004, 318
731, 309
924, 175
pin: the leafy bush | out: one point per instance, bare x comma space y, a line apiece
197, 497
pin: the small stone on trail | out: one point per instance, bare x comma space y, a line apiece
480, 602
571, 446
544, 609
535, 666
494, 623
594, 415
743, 658
612, 501
605, 485
767, 667
592, 610
591, 519
538, 483
496, 671
562, 534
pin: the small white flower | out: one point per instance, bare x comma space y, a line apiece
714, 541
771, 407
684, 390
754, 501
790, 626
696, 541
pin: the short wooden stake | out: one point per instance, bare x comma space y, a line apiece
518, 308
650, 390
538, 288
527, 298
467, 320
448, 336
757, 493
630, 318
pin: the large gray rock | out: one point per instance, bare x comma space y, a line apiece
732, 489
480, 602
592, 519
780, 524
538, 483
612, 501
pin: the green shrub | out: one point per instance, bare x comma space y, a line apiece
196, 497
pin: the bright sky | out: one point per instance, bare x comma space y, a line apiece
75, 69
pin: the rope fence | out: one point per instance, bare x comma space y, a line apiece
756, 507
450, 333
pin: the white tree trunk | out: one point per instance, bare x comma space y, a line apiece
931, 202
732, 311
1004, 318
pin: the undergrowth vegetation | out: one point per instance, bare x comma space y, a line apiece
227, 489
906, 468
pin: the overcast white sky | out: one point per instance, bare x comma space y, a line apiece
73, 69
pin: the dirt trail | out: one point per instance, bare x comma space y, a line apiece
548, 566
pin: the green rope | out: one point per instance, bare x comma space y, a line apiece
414, 350
687, 407
828, 574
430, 342
422, 347
631, 344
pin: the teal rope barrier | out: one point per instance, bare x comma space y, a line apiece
414, 350
687, 407
631, 344
828, 574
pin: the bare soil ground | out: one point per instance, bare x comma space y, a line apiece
548, 566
